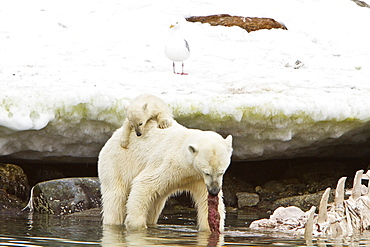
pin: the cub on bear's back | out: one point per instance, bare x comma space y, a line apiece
142, 109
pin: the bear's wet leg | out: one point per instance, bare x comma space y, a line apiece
144, 193
155, 210
199, 194
113, 200
221, 210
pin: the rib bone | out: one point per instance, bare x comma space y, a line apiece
308, 230
356, 192
323, 214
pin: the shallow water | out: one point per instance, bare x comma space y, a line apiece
174, 229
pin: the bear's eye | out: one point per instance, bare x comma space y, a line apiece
207, 174
140, 124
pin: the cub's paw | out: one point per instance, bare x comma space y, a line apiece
165, 123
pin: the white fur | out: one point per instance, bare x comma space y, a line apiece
142, 109
136, 182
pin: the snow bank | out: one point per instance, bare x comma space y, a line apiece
68, 69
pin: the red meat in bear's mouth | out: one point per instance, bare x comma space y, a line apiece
213, 215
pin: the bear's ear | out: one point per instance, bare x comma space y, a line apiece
229, 141
193, 148
145, 106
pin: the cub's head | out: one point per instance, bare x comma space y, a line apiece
138, 119
211, 157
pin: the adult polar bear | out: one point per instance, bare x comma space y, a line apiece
137, 181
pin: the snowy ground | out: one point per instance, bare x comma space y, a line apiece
68, 68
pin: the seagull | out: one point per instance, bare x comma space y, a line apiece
177, 48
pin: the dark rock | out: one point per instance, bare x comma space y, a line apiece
91, 213
265, 205
66, 196
321, 177
47, 172
10, 203
14, 188
231, 186
248, 23
304, 202
13, 181
246, 199
275, 189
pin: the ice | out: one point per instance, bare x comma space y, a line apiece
68, 69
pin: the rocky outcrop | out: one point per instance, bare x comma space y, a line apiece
248, 23
246, 199
14, 187
231, 186
14, 181
285, 183
304, 202
65, 196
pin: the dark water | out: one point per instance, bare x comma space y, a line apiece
175, 229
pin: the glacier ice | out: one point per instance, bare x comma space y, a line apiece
80, 130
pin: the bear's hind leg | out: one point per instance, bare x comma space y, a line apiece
114, 202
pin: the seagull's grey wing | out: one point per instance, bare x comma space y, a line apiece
187, 45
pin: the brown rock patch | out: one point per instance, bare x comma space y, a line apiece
248, 23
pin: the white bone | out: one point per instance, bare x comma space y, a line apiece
356, 191
323, 213
339, 193
308, 230
366, 175
368, 186
30, 202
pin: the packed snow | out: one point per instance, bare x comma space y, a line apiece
69, 68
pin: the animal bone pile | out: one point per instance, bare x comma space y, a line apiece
341, 218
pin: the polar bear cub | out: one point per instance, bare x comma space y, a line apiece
142, 109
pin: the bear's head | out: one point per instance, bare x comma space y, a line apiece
211, 157
138, 119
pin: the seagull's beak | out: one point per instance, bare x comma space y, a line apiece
172, 26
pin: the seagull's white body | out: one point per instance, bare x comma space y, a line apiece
177, 48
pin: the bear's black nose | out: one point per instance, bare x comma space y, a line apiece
214, 191
138, 133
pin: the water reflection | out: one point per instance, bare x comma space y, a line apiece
164, 235
176, 229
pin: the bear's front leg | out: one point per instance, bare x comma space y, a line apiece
135, 224
144, 193
199, 193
